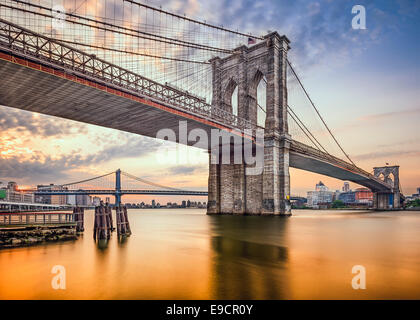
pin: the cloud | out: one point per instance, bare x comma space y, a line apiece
387, 154
392, 114
320, 31
133, 147
39, 167
36, 124
186, 170
34, 169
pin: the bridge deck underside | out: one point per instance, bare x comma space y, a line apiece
33, 90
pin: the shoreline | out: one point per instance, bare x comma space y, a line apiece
12, 237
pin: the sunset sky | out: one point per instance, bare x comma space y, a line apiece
365, 83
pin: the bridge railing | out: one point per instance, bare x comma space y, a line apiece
73, 61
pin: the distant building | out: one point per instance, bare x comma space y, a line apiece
346, 187
364, 195
83, 200
51, 199
359, 196
71, 199
321, 187
336, 195
11, 193
3, 194
347, 197
321, 195
96, 201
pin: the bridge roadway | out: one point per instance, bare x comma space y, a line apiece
40, 75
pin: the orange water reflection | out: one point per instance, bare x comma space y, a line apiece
175, 254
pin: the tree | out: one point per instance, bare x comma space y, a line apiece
338, 204
414, 203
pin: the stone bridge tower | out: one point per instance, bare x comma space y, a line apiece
388, 200
231, 190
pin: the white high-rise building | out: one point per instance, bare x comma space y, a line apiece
71, 199
321, 195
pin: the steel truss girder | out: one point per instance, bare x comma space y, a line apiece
41, 47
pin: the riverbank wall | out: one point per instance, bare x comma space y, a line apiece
26, 236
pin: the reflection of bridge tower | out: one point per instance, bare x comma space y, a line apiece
231, 191
388, 200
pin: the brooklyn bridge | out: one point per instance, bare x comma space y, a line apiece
141, 69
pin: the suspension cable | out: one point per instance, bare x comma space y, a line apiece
323, 121
290, 111
133, 53
87, 180
192, 20
292, 116
148, 182
150, 37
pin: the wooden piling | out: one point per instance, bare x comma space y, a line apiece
123, 226
96, 223
108, 221
103, 222
119, 222
82, 219
111, 222
127, 223
79, 218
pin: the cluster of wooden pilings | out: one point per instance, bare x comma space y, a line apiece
79, 218
103, 225
123, 226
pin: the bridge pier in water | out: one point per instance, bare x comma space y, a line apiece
230, 189
388, 200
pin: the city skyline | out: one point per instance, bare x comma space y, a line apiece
377, 111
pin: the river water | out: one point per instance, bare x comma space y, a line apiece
185, 254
